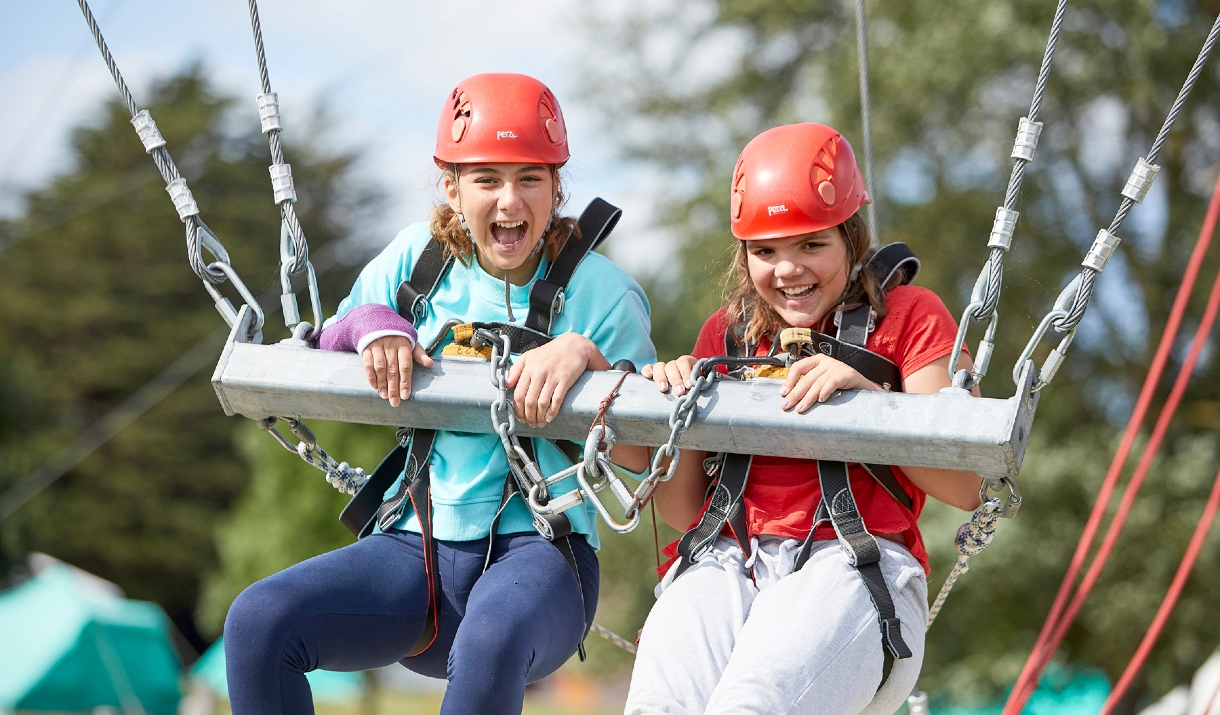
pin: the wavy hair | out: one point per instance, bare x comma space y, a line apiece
446, 226
745, 304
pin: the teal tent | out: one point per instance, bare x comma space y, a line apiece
1063, 691
325, 685
69, 647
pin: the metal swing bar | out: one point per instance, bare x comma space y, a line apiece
948, 430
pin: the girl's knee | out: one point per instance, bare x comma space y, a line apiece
257, 613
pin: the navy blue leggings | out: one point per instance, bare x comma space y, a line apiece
364, 607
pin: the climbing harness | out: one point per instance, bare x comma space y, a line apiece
726, 508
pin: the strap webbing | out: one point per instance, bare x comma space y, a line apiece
862, 552
546, 295
426, 274
412, 463
726, 507
558, 525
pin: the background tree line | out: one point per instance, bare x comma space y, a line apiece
186, 507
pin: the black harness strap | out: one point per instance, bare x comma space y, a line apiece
413, 293
726, 507
366, 510
862, 552
546, 295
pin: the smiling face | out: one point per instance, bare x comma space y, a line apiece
506, 207
800, 277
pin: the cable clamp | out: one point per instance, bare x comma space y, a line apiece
1027, 139
1099, 253
281, 182
147, 130
1002, 228
269, 112
1140, 180
180, 194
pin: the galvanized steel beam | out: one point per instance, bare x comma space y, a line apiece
947, 430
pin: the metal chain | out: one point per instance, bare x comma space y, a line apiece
198, 235
986, 294
594, 473
1073, 301
294, 248
339, 475
866, 120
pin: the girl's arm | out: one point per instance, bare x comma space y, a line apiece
953, 487
542, 377
816, 378
681, 499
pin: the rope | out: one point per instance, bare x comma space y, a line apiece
972, 537
1089, 275
617, 640
1168, 603
1057, 621
866, 120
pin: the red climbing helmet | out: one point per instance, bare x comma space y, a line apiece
501, 118
794, 179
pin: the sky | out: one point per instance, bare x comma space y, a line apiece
382, 68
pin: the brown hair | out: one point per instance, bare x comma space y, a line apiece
446, 226
744, 303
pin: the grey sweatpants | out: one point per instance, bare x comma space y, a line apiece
797, 642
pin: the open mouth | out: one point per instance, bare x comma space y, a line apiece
508, 235
797, 292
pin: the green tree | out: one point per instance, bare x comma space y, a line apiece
686, 84
98, 298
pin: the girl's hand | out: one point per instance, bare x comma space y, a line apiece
542, 377
814, 379
675, 372
388, 363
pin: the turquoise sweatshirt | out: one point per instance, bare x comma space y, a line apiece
602, 302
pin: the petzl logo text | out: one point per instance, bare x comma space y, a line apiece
781, 209
506, 135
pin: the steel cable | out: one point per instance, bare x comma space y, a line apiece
300, 257
1040, 655
866, 120
195, 229
1088, 275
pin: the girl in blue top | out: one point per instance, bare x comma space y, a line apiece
512, 616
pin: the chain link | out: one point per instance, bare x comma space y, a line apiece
594, 472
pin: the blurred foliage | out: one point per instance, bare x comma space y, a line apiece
98, 298
287, 514
685, 84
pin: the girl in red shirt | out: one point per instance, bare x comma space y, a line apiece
769, 617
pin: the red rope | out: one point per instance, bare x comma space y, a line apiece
1057, 622
1170, 600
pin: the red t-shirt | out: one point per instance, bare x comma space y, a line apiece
782, 494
